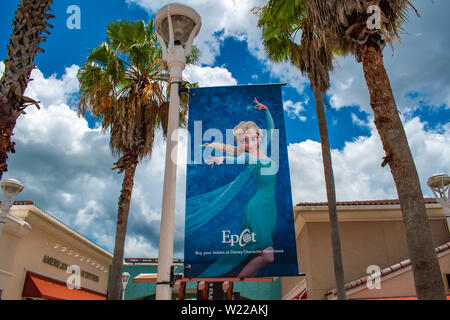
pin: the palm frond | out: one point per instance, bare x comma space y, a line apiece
122, 82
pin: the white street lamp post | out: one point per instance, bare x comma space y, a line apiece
177, 25
440, 185
125, 278
10, 189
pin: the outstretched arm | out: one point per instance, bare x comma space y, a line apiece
243, 158
269, 120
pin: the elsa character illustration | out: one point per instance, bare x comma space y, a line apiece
255, 250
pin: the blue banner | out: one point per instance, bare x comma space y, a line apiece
239, 211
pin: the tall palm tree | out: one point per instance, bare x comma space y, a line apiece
123, 83
280, 22
30, 22
347, 26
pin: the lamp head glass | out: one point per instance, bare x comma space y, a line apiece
182, 28
184, 19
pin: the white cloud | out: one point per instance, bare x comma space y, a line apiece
357, 168
222, 19
86, 216
53, 90
294, 110
66, 170
139, 247
358, 121
208, 76
417, 68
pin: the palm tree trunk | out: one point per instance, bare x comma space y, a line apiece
115, 283
7, 124
427, 275
29, 24
331, 196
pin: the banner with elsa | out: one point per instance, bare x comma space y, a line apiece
239, 211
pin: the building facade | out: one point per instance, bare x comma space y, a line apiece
41, 258
146, 290
372, 238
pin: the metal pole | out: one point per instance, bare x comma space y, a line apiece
3, 217
165, 257
175, 55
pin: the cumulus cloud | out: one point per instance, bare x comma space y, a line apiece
66, 167
357, 167
294, 110
208, 76
416, 78
356, 120
54, 90
417, 67
222, 19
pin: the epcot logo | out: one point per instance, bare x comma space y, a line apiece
245, 237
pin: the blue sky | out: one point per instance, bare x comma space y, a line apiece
61, 154
66, 47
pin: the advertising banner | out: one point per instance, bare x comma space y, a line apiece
239, 211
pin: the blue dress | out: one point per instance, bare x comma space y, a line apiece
259, 213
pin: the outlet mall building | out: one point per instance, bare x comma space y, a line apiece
36, 253
37, 250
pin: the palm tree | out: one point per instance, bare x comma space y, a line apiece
29, 23
280, 22
345, 25
123, 83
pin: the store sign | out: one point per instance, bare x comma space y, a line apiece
64, 266
239, 211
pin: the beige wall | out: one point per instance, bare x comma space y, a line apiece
399, 284
369, 236
18, 255
13, 232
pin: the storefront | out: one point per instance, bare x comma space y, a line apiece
41, 258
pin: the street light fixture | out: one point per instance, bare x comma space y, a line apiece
125, 278
440, 185
10, 189
176, 27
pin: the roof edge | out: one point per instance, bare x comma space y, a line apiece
363, 202
389, 270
